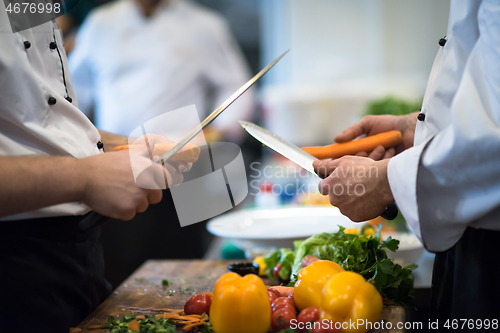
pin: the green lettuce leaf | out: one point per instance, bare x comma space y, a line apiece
285, 257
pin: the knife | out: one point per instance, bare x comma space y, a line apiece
298, 156
94, 219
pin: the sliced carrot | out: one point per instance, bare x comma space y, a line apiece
189, 153
191, 326
187, 319
386, 139
140, 317
94, 327
134, 326
168, 315
193, 316
284, 291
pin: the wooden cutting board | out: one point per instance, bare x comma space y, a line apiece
143, 292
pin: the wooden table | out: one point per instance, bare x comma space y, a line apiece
143, 291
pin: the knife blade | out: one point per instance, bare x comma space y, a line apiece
281, 146
218, 111
298, 156
93, 220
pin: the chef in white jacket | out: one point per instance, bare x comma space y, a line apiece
445, 177
137, 59
52, 173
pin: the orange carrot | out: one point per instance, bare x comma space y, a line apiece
192, 325
94, 327
168, 315
192, 316
284, 291
134, 326
386, 139
189, 153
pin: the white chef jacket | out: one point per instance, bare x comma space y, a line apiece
450, 179
31, 73
132, 68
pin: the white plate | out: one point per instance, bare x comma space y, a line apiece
257, 230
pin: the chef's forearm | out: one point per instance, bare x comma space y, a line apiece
32, 182
111, 141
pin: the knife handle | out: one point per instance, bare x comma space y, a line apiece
92, 221
390, 212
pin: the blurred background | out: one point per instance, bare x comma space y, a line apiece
346, 59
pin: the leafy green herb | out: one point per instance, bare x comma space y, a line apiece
150, 324
171, 292
165, 282
208, 328
285, 257
366, 256
392, 105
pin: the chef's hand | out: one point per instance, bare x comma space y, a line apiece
111, 189
358, 186
151, 140
371, 125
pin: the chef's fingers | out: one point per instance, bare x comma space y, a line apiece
142, 206
377, 153
181, 166
325, 167
352, 132
154, 196
184, 166
150, 139
362, 154
389, 153
325, 185
173, 177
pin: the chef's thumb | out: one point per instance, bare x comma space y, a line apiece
144, 150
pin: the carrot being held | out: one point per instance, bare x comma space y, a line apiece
386, 139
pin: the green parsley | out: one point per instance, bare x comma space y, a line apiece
150, 324
364, 255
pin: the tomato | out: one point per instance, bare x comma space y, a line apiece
322, 329
283, 302
308, 314
281, 318
276, 271
272, 296
274, 291
198, 304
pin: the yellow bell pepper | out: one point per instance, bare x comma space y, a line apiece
310, 283
240, 305
262, 265
351, 302
352, 231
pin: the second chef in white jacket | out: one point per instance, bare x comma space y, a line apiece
135, 59
447, 182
